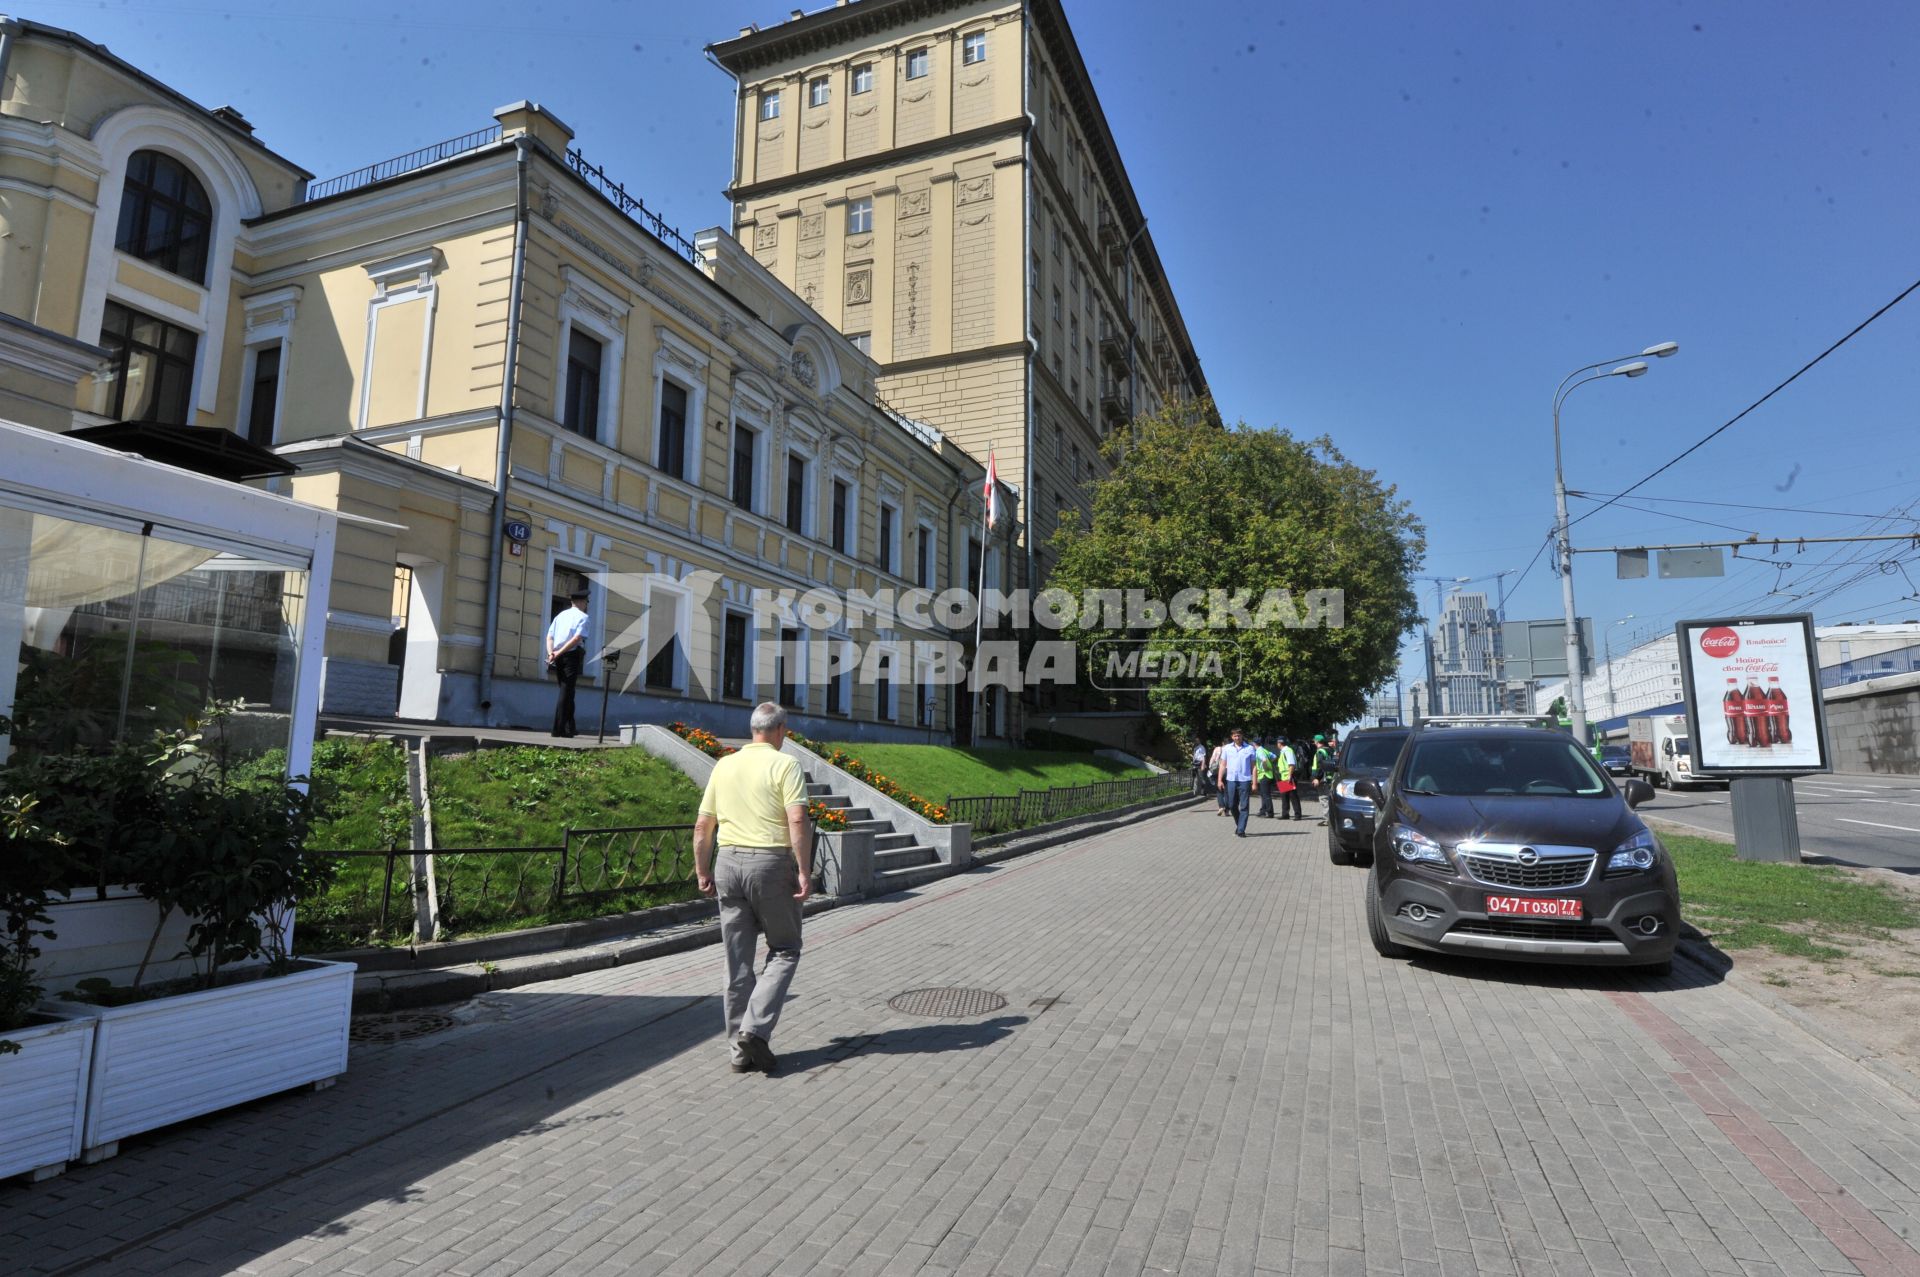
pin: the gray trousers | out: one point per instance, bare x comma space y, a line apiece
756, 899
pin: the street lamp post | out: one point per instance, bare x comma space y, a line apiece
1576, 694
1606, 643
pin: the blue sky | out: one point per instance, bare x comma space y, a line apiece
1398, 224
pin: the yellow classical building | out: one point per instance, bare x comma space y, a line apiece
516, 377
937, 179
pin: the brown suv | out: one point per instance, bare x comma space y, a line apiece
1511, 842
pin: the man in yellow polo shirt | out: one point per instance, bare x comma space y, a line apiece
756, 804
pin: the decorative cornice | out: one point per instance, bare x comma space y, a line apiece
995, 132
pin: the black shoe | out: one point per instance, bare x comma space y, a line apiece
759, 1055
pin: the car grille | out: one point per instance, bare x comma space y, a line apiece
1534, 929
1556, 869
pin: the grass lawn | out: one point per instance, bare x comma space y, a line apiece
528, 795
1792, 909
938, 772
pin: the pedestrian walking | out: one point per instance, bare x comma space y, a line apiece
1263, 776
1290, 783
1236, 779
1199, 768
1213, 778
567, 656
755, 810
1322, 774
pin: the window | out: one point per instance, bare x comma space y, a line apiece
924, 695
745, 446
889, 519
165, 217
818, 91
973, 48
883, 695
862, 342
770, 105
796, 493
671, 455
1076, 462
663, 624
860, 216
840, 529
863, 78
149, 372
917, 63
1058, 309
1059, 442
660, 669
973, 563
581, 414
789, 661
923, 558
264, 396
733, 657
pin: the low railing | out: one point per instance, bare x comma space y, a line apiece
635, 208
998, 813
401, 164
490, 888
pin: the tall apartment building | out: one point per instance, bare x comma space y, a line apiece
1466, 649
510, 375
936, 178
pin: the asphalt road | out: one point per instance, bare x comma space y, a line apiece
1854, 819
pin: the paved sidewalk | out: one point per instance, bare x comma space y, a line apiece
1201, 1068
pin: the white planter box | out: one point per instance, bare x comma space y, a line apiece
43, 1097
164, 1061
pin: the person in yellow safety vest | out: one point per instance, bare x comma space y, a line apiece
1289, 786
1263, 764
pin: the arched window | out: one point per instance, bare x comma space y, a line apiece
165, 217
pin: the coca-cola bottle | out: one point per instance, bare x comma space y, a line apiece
1779, 714
1734, 706
1756, 700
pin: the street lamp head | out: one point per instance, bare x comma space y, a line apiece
1634, 369
1661, 351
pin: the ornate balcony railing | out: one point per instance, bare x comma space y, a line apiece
401, 164
634, 208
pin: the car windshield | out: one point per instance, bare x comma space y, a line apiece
1487, 766
1374, 751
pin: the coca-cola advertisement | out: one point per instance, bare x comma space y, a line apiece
1753, 695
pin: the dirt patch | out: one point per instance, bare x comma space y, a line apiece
1871, 995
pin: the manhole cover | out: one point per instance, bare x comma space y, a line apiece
947, 1002
398, 1026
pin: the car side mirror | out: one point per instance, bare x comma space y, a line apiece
1638, 791
1368, 789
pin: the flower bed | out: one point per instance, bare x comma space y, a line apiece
701, 739
879, 780
825, 818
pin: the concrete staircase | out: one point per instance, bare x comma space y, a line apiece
898, 861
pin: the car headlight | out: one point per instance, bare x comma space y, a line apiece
1634, 854
1346, 788
1415, 847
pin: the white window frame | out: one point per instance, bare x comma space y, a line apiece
802, 666
809, 494
925, 695
921, 57
769, 104
749, 675
678, 361
762, 450
860, 215
863, 78
682, 598
887, 546
601, 315
852, 550
890, 656
399, 281
819, 91
973, 48
269, 326
932, 536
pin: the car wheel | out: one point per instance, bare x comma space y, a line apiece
1383, 944
1336, 851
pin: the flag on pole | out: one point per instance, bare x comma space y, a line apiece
990, 493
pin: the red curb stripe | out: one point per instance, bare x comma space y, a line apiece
1856, 1232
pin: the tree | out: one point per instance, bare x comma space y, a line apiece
1194, 505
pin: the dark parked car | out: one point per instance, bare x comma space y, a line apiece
1510, 842
1366, 754
1617, 760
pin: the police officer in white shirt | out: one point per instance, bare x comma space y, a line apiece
566, 657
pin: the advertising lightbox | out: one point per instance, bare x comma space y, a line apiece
1753, 696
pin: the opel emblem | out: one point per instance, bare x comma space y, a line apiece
1528, 856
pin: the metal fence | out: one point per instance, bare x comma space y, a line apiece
997, 813
634, 208
400, 164
480, 888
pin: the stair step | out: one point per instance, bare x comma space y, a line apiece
872, 826
892, 842
904, 858
816, 790
833, 802
858, 813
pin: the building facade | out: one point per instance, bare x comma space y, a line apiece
937, 180
515, 379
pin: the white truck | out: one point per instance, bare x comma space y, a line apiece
1660, 752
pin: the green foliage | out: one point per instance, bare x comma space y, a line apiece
69, 702
528, 795
32, 858
1190, 505
943, 772
359, 793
